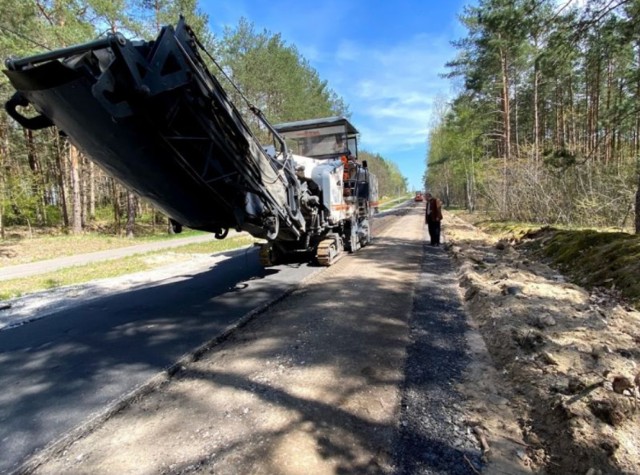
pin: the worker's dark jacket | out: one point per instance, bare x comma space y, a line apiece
433, 211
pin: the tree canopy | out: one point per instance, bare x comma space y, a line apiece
545, 126
44, 181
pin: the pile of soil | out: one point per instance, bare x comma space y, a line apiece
567, 357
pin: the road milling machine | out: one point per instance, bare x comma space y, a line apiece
151, 114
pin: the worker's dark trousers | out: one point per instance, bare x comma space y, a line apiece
434, 232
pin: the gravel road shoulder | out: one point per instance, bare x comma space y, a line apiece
454, 420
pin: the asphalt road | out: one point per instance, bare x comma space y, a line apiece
315, 383
58, 371
433, 438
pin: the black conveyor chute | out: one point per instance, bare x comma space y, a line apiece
154, 117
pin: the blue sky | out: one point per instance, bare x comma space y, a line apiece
383, 57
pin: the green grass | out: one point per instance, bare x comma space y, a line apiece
114, 268
595, 258
210, 247
386, 202
22, 250
589, 257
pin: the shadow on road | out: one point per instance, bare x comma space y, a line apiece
58, 370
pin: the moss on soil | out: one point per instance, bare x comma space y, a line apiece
596, 259
589, 257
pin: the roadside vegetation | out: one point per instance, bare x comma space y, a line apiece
47, 185
591, 257
117, 267
24, 247
545, 126
542, 140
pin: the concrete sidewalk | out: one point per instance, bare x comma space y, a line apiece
51, 265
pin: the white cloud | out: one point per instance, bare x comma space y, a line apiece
391, 92
389, 78
347, 51
390, 89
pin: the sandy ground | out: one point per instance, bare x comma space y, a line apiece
568, 357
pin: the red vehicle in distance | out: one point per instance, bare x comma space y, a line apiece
419, 196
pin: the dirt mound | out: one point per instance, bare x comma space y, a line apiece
568, 356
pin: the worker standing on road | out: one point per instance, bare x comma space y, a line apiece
433, 217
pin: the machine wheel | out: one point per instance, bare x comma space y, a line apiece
268, 255
274, 228
366, 239
327, 252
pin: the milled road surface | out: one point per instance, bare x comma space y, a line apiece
433, 435
314, 384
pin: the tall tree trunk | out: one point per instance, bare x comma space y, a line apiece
636, 147
637, 220
131, 214
506, 126
60, 174
469, 187
589, 117
573, 139
4, 153
506, 106
536, 110
76, 202
36, 176
92, 191
596, 111
563, 118
84, 191
556, 133
593, 81
2, 231
115, 199
607, 127
516, 143
616, 135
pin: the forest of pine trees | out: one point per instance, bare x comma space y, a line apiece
545, 126
46, 183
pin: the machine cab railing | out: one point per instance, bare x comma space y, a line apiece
328, 138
